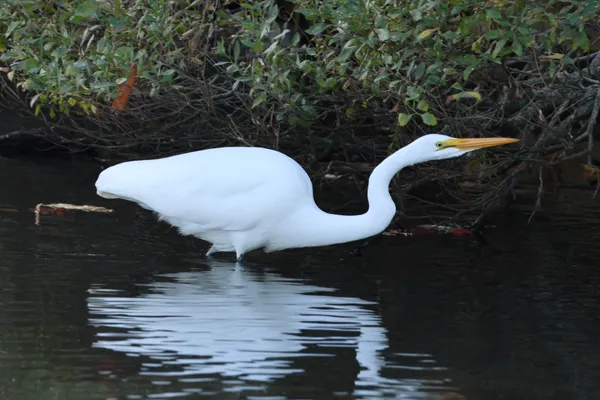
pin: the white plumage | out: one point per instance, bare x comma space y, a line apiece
245, 198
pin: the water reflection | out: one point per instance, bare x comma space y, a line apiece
516, 319
252, 325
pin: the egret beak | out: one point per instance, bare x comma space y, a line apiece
472, 144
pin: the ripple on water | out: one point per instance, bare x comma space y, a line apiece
228, 323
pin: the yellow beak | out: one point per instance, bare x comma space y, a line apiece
471, 144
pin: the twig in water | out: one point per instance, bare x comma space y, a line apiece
13, 134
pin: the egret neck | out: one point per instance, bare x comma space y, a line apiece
319, 228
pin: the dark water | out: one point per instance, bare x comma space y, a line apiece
118, 306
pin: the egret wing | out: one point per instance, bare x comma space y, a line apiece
225, 189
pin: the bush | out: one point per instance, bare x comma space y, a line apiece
302, 61
75, 54
345, 80
411, 57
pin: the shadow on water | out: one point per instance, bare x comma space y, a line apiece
118, 306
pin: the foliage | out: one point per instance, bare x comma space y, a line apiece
75, 54
412, 54
406, 56
310, 76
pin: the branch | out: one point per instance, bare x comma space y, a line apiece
17, 133
592, 123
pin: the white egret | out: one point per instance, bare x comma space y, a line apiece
246, 198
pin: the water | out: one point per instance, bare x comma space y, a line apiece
118, 306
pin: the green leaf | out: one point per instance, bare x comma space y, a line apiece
466, 24
116, 22
31, 64
429, 119
346, 53
403, 119
493, 13
527, 41
419, 71
416, 14
236, 51
11, 27
495, 34
81, 65
383, 34
273, 12
317, 28
526, 31
60, 52
517, 47
167, 75
310, 14
86, 9
582, 41
232, 68
468, 71
258, 100
423, 105
498, 48
124, 53
432, 80
247, 43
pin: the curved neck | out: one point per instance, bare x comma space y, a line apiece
382, 175
313, 227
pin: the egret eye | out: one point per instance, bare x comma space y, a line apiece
439, 145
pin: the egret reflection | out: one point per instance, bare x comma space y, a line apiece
241, 323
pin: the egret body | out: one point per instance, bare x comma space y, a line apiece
245, 198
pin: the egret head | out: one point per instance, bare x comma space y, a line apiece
440, 147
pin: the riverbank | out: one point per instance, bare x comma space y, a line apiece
337, 87
423, 197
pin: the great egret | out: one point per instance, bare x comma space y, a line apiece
246, 198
